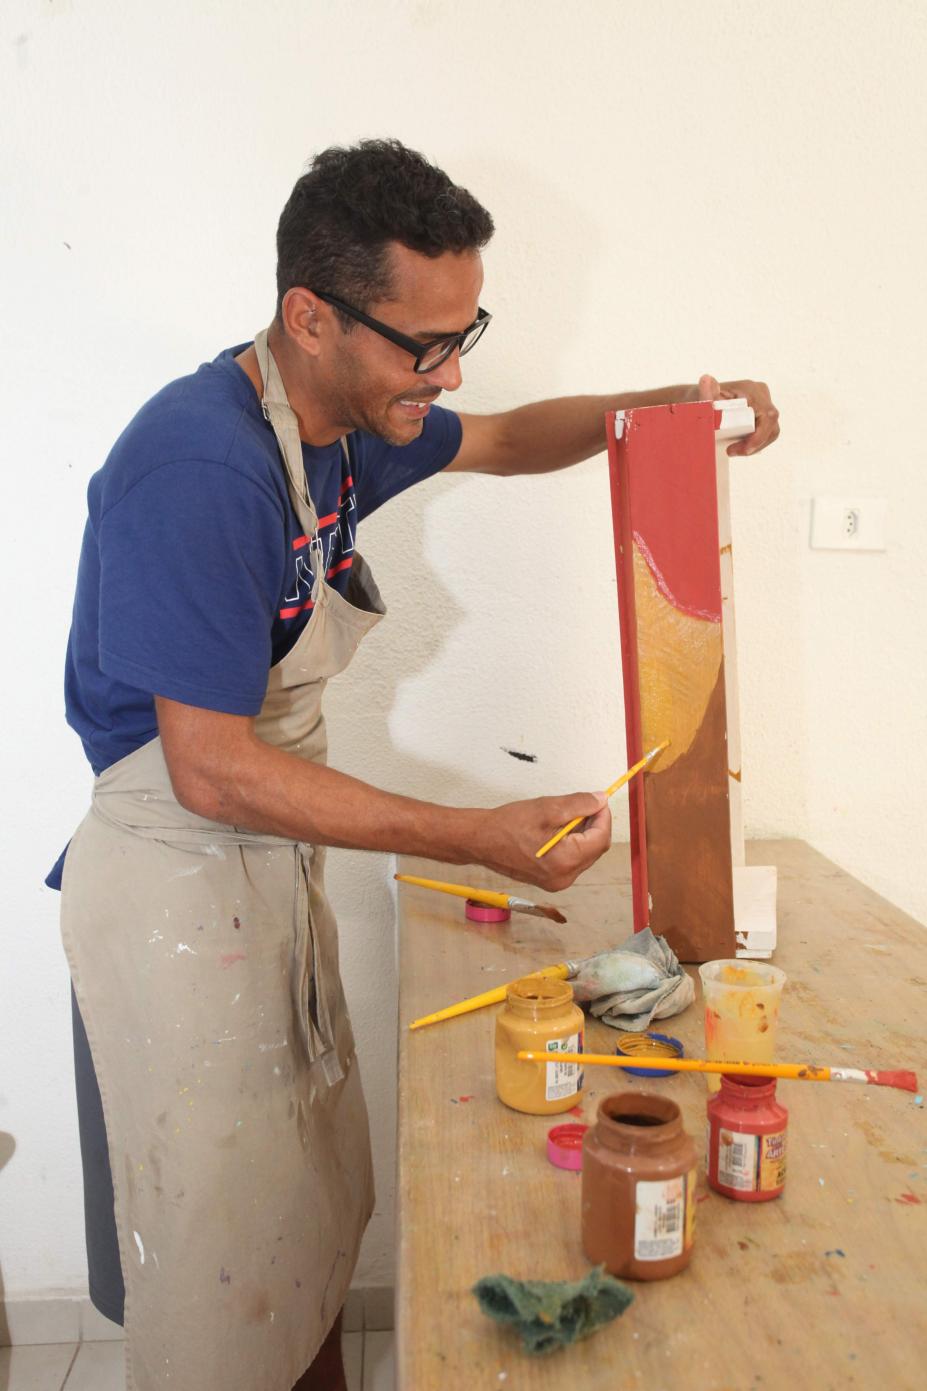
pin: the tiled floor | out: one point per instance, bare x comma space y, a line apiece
368, 1360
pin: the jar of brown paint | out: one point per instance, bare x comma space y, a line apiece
539, 1015
639, 1172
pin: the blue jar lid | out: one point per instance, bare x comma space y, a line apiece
649, 1044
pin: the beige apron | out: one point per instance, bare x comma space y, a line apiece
205, 962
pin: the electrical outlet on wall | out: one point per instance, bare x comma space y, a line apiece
848, 523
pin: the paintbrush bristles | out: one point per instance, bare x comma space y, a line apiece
904, 1081
554, 914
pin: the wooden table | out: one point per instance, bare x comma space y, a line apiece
824, 1288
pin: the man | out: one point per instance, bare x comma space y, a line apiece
219, 588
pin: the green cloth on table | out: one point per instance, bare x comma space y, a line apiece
549, 1314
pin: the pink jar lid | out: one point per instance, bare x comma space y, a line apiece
485, 913
565, 1145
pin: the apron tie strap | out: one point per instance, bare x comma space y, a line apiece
309, 984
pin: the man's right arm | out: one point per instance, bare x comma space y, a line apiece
222, 770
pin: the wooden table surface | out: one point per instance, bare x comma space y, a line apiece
824, 1288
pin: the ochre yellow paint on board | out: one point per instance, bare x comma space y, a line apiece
678, 664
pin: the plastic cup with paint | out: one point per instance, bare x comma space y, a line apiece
741, 1012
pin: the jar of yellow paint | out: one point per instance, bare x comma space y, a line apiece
539, 1015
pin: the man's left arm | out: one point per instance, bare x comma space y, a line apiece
551, 435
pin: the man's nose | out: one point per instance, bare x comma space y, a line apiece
447, 375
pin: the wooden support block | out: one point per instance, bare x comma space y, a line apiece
755, 888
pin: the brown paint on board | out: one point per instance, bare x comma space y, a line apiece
687, 816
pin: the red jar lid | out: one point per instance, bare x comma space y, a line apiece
747, 1089
565, 1145
485, 913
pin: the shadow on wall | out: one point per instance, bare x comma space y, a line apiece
526, 356
7, 1148
422, 613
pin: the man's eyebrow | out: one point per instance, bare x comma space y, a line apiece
428, 335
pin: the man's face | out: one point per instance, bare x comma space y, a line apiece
374, 386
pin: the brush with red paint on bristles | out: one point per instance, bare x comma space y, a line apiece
800, 1072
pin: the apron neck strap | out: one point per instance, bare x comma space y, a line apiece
282, 419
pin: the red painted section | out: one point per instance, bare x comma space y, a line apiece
674, 511
624, 564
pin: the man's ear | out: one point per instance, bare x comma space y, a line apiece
304, 316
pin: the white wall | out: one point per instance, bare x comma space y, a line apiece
678, 187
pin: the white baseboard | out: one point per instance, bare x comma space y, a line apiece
54, 1318
71, 1318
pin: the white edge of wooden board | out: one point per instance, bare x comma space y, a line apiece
755, 889
737, 419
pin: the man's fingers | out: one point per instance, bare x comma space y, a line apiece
572, 855
589, 831
709, 389
766, 432
593, 825
766, 428
585, 804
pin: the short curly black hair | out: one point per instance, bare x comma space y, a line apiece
335, 230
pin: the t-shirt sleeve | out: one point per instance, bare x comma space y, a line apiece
191, 566
382, 470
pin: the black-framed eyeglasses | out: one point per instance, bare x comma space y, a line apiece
427, 356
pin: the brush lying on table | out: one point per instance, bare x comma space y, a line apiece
799, 1072
487, 896
489, 997
625, 987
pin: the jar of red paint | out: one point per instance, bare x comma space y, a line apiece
747, 1139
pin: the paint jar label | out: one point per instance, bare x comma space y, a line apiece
751, 1163
772, 1162
737, 1160
564, 1079
660, 1219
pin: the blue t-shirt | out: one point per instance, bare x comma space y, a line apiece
195, 575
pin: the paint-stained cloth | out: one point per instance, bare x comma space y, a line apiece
635, 983
550, 1314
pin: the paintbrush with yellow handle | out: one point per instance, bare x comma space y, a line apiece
491, 997
800, 1072
609, 792
488, 896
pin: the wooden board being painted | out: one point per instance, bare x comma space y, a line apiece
675, 587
